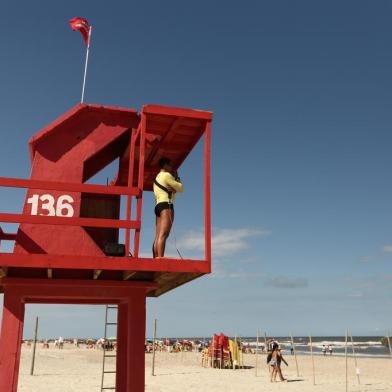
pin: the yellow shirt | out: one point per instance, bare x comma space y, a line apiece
168, 181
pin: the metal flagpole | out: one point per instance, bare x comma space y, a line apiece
86, 63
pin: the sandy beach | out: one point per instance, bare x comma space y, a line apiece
72, 369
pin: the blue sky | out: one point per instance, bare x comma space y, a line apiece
301, 94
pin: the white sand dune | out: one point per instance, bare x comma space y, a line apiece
79, 370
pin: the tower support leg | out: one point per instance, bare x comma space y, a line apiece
122, 348
136, 338
10, 340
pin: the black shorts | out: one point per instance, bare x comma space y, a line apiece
163, 206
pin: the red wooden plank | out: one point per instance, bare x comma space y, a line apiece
180, 112
140, 182
8, 236
122, 349
129, 117
207, 193
76, 284
70, 187
169, 130
49, 301
134, 367
130, 183
75, 290
103, 263
10, 339
63, 221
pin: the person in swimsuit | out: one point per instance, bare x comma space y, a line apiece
274, 360
167, 183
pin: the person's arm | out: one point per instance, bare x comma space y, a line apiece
281, 356
173, 184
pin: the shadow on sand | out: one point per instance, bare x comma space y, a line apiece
295, 380
176, 373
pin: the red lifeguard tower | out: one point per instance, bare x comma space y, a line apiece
60, 254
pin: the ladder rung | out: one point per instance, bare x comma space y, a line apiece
114, 307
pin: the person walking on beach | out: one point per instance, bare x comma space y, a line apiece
167, 183
324, 350
61, 342
330, 349
274, 361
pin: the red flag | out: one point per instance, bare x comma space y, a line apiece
83, 26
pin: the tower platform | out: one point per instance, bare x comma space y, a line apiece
66, 241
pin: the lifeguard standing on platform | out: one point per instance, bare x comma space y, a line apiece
167, 183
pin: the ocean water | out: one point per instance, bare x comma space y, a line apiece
366, 346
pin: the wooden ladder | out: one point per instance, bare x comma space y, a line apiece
105, 351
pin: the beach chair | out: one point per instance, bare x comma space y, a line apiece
204, 357
219, 352
225, 357
234, 353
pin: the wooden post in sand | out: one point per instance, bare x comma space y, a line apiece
355, 359
311, 354
346, 356
153, 347
34, 347
265, 342
240, 364
236, 362
257, 353
389, 343
295, 354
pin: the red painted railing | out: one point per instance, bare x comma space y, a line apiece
133, 263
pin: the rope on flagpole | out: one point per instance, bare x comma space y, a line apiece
86, 63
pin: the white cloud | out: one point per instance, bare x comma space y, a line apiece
355, 294
367, 259
285, 282
219, 271
387, 248
382, 255
224, 241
